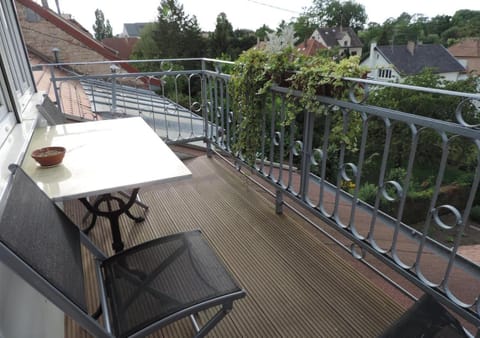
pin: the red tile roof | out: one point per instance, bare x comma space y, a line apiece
123, 46
310, 47
466, 48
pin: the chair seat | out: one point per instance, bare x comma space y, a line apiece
152, 282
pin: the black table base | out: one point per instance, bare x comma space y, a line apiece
112, 213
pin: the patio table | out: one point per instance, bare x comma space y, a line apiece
104, 157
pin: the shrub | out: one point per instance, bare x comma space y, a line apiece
475, 213
368, 193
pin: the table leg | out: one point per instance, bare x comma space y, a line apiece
112, 214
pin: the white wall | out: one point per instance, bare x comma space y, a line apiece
24, 312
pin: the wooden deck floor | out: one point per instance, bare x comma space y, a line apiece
296, 285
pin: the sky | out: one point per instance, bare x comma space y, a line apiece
250, 14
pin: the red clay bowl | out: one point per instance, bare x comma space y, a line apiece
49, 156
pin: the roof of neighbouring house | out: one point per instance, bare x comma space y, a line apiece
134, 29
331, 35
435, 56
123, 46
310, 47
469, 47
76, 31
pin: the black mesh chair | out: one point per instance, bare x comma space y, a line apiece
50, 112
426, 319
141, 289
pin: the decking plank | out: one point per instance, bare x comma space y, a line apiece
296, 285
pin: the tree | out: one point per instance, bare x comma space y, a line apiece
222, 37
262, 32
303, 27
102, 30
333, 13
177, 34
243, 39
146, 48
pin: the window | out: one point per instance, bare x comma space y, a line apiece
16, 81
385, 73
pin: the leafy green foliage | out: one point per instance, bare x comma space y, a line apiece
247, 86
475, 213
368, 193
146, 48
320, 75
220, 41
443, 29
177, 34
333, 13
437, 106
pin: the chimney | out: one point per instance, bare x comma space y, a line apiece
411, 47
373, 45
45, 4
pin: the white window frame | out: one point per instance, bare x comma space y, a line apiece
16, 82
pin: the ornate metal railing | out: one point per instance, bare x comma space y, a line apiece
399, 187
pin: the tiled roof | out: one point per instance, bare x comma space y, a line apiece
310, 47
436, 57
123, 46
333, 34
466, 48
75, 102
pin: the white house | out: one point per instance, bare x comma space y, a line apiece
394, 62
344, 38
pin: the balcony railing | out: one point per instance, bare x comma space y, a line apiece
397, 186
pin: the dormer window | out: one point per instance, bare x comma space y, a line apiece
385, 73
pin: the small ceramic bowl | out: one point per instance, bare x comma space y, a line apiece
49, 156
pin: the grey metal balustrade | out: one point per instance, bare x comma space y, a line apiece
381, 177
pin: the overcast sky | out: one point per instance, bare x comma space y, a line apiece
249, 14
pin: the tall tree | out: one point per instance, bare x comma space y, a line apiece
222, 37
262, 32
243, 39
336, 13
303, 27
177, 35
146, 48
101, 28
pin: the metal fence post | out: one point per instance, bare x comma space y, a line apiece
205, 111
279, 201
55, 89
306, 154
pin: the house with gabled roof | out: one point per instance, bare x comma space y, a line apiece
394, 62
58, 39
123, 47
345, 39
468, 52
133, 30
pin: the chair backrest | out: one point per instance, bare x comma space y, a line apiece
42, 245
50, 112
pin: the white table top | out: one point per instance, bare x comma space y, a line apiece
103, 157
